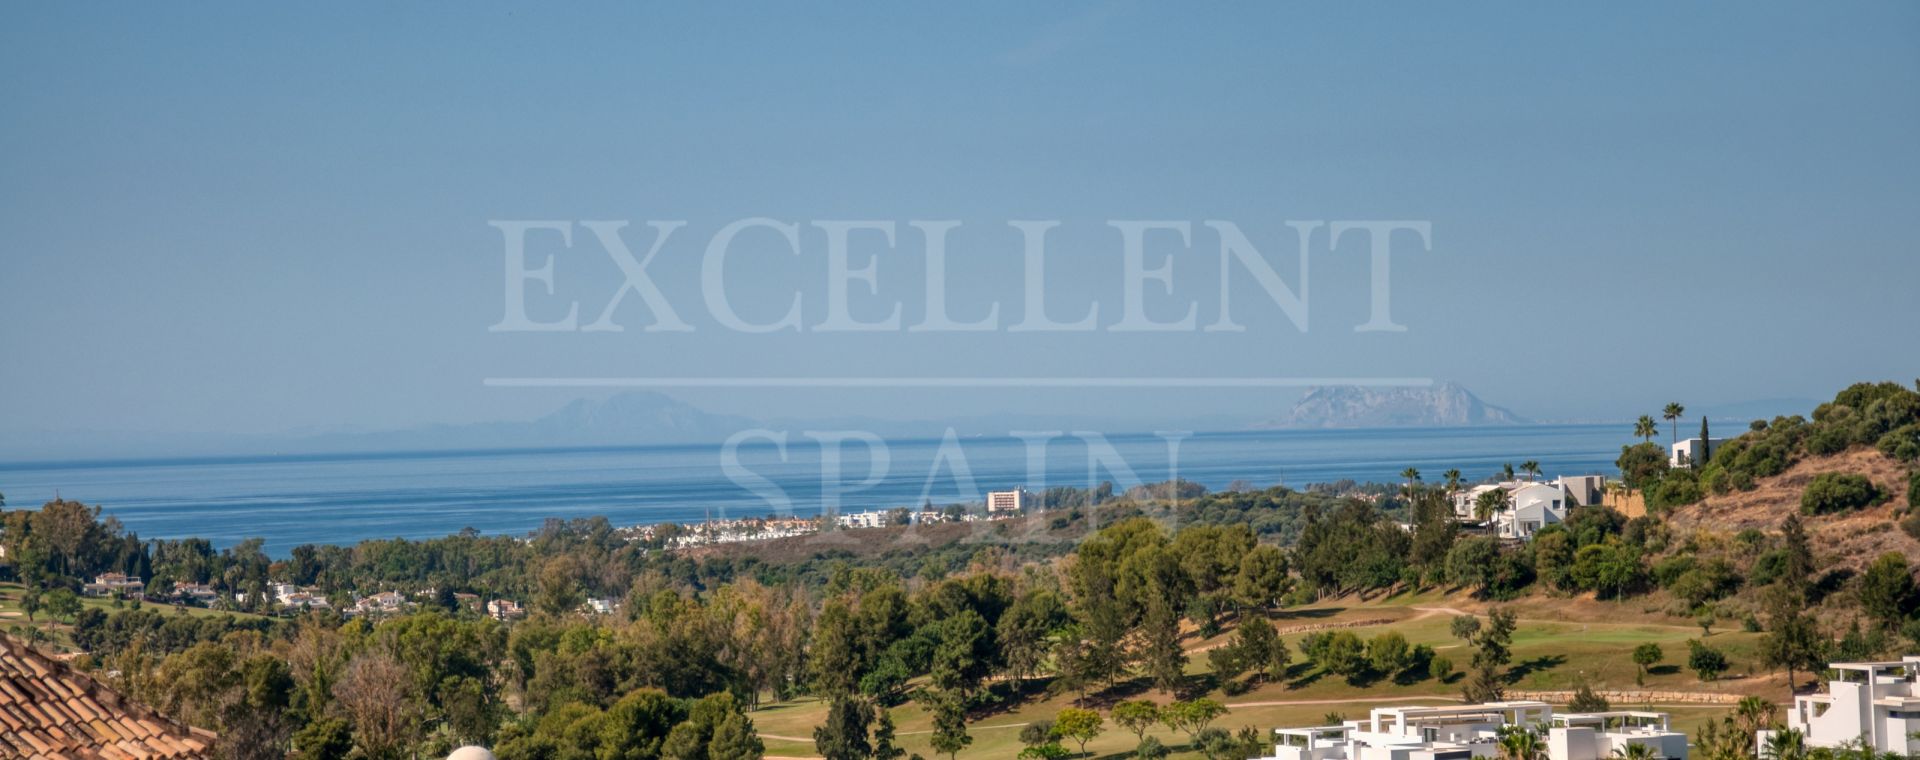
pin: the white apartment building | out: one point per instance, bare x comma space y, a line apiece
1873, 702
1006, 501
863, 520
1463, 732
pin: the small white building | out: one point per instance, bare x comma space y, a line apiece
863, 520
1462, 732
999, 502
1686, 452
1873, 702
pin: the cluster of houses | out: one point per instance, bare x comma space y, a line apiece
1529, 506
999, 505
291, 597
1868, 705
727, 531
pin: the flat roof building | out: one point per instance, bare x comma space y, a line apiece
1873, 702
1462, 732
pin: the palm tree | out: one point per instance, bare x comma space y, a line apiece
1506, 472
1413, 476
1531, 468
1672, 413
1453, 486
1521, 743
1491, 502
1646, 428
1785, 745
1754, 714
1635, 751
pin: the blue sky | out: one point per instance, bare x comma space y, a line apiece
238, 219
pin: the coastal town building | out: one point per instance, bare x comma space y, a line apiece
929, 517
1875, 703
1006, 502
1462, 732
871, 519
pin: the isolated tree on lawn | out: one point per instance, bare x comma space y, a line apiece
1646, 656
1136, 715
1078, 724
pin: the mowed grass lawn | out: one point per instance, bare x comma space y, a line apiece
1549, 653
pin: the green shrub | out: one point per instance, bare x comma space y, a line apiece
1678, 488
1832, 492
1902, 443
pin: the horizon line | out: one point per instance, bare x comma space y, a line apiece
953, 382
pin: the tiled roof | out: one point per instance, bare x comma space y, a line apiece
49, 710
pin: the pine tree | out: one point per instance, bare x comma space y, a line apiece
883, 746
949, 725
843, 735
1164, 658
735, 739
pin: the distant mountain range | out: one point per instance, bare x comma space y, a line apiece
1444, 404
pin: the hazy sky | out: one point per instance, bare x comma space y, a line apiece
229, 218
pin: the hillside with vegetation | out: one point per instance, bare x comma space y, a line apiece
1161, 620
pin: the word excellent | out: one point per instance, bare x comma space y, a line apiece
843, 274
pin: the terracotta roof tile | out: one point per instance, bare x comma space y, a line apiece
50, 711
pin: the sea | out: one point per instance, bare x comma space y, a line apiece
343, 498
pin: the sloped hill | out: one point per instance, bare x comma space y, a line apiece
1848, 540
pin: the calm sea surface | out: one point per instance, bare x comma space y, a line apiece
343, 498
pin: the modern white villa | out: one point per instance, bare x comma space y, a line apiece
1876, 703
1685, 453
1462, 732
1532, 506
